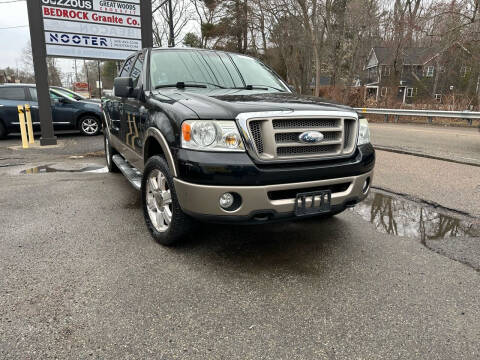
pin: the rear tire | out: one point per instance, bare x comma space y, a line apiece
89, 125
109, 152
165, 220
3, 131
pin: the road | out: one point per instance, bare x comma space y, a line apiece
82, 278
455, 143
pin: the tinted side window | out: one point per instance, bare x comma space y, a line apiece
127, 67
33, 94
12, 93
54, 96
137, 69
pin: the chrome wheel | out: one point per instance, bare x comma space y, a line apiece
159, 201
90, 126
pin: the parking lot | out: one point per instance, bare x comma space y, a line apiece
396, 277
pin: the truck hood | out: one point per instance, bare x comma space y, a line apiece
227, 103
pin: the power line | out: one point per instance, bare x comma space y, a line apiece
13, 27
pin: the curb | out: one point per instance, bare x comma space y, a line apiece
407, 152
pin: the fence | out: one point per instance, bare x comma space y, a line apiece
469, 116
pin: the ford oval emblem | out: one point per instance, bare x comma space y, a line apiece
310, 137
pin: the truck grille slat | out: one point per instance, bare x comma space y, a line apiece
279, 138
307, 149
305, 123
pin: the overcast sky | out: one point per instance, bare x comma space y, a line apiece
13, 41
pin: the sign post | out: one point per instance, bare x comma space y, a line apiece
39, 56
85, 29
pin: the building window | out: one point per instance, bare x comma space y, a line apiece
383, 92
465, 71
438, 97
411, 92
441, 69
386, 70
430, 70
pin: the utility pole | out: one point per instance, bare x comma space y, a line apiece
170, 22
171, 40
86, 73
76, 72
99, 80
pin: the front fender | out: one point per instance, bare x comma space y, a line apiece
153, 134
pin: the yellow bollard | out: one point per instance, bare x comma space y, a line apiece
28, 115
23, 130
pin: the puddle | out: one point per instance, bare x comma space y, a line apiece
401, 217
49, 169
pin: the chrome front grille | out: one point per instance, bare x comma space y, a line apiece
278, 138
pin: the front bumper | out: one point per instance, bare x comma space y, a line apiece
265, 202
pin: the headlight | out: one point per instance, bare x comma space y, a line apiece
211, 135
363, 132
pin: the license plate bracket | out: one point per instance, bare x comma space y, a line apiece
311, 203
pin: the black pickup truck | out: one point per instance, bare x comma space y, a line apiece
220, 137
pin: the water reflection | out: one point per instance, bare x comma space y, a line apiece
50, 169
401, 217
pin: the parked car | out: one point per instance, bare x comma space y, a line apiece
220, 137
68, 113
75, 95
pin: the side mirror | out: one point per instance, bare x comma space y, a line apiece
63, 100
138, 93
292, 88
123, 86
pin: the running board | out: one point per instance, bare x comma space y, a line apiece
132, 174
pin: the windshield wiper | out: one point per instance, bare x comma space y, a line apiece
255, 87
181, 85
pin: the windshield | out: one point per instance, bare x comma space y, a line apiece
70, 94
57, 94
213, 69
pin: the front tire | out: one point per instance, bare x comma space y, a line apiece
164, 218
89, 125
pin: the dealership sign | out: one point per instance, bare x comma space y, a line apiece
96, 29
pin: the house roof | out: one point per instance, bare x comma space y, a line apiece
409, 56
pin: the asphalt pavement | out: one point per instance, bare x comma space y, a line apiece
395, 278
451, 143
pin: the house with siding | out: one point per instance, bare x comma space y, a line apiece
420, 73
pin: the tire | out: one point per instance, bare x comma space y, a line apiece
3, 131
109, 152
89, 125
172, 227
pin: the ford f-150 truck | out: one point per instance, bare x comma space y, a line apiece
220, 137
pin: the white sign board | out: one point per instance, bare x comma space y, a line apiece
96, 29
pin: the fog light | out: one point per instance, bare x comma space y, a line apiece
366, 185
227, 200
